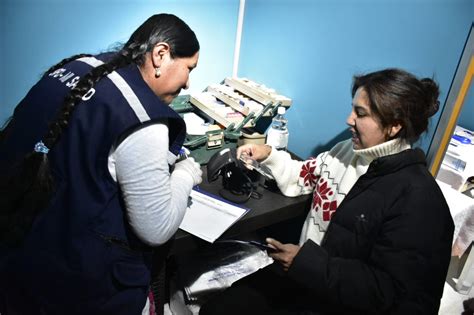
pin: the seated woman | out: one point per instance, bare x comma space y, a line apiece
378, 236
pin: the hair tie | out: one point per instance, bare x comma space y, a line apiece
41, 148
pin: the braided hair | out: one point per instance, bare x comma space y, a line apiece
28, 191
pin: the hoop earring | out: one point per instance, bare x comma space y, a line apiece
157, 72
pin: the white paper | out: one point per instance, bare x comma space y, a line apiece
232, 265
208, 217
195, 125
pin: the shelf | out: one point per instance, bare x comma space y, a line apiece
236, 100
258, 92
217, 110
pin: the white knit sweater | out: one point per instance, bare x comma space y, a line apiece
329, 176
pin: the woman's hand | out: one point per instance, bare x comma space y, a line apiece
258, 152
284, 254
191, 169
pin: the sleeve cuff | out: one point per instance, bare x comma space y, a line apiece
275, 158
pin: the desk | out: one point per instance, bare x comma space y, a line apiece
462, 211
272, 208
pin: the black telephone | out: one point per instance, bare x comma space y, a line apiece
219, 161
237, 184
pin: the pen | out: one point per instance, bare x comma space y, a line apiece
183, 153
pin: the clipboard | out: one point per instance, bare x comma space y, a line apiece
208, 216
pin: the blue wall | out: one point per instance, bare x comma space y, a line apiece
309, 51
35, 34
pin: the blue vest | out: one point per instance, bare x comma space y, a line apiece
81, 255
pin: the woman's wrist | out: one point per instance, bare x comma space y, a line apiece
267, 150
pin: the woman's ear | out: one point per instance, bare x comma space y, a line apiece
393, 130
158, 52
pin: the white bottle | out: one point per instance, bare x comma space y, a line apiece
277, 134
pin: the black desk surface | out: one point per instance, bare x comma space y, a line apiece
272, 208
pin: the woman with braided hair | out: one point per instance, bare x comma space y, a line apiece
90, 182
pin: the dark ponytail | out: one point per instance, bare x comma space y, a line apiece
431, 91
29, 190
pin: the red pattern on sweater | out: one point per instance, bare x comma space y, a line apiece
322, 191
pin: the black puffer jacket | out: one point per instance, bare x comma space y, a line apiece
388, 246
